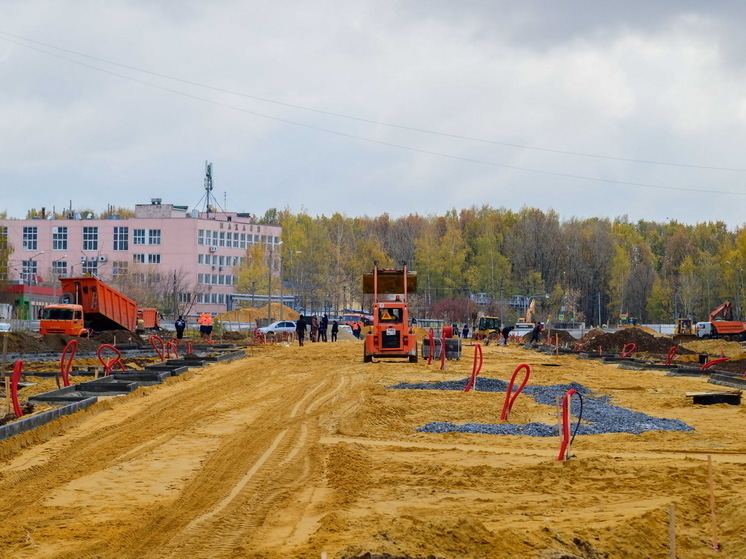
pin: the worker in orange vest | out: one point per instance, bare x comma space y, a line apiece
205, 325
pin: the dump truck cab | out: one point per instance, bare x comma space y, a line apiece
391, 335
63, 318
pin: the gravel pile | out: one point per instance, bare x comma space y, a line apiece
598, 414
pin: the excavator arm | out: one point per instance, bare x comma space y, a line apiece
723, 312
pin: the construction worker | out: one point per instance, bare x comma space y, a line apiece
205, 325
140, 326
506, 333
180, 325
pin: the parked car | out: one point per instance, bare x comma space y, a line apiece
280, 327
4, 327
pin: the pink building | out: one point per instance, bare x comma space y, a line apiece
198, 252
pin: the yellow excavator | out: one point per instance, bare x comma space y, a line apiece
684, 327
488, 328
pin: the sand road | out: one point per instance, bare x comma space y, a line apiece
293, 451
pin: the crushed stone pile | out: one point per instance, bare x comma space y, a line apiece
599, 415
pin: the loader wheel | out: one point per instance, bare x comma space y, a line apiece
367, 358
413, 358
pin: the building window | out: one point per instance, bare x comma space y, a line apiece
29, 275
30, 238
185, 297
121, 238
90, 238
90, 267
59, 238
138, 236
154, 258
154, 236
119, 268
59, 268
138, 258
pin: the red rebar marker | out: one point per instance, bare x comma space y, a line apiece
66, 361
565, 425
475, 368
509, 395
14, 380
111, 363
627, 350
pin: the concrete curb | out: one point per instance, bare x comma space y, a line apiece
33, 421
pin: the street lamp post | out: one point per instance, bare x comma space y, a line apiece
269, 282
738, 288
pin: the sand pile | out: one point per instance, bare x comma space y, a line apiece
249, 314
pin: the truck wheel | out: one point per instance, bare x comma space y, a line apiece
366, 358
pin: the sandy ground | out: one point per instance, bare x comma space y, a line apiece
293, 451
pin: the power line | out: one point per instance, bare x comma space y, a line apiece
369, 140
370, 121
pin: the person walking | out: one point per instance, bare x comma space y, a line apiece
535, 332
465, 332
180, 325
300, 329
335, 330
356, 330
323, 327
506, 333
314, 328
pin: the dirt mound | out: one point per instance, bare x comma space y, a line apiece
233, 336
564, 336
57, 342
23, 342
612, 342
116, 336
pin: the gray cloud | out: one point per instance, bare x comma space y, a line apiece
655, 81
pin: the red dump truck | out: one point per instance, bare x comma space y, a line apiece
88, 304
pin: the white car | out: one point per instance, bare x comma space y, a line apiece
280, 327
4, 327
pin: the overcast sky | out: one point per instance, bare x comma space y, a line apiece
588, 108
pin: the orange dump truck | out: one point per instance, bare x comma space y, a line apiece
391, 335
87, 305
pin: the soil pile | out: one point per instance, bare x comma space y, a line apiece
613, 342
22, 342
564, 337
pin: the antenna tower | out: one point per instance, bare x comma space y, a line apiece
208, 197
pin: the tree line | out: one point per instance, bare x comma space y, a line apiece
594, 270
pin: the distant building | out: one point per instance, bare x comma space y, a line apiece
205, 249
